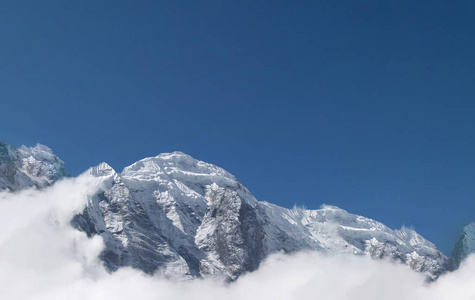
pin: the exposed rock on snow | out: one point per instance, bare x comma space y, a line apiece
464, 247
28, 167
186, 218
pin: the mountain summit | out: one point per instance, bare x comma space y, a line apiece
186, 218
28, 167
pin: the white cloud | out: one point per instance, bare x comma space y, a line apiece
42, 257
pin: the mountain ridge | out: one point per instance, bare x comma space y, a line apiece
29, 167
186, 219
207, 224
464, 246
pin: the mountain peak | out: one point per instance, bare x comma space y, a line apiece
465, 245
168, 155
175, 164
331, 207
36, 149
101, 170
28, 166
186, 217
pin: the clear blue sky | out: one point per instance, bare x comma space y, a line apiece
367, 105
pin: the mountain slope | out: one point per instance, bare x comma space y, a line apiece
185, 218
465, 245
28, 166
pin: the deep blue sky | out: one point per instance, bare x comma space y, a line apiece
367, 105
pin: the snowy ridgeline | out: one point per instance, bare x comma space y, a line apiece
186, 218
28, 167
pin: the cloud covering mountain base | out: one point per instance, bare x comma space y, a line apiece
43, 257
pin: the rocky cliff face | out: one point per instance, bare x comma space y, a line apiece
464, 247
185, 218
28, 167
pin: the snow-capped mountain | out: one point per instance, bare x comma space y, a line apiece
464, 246
28, 166
187, 218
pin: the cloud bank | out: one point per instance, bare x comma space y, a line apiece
42, 257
